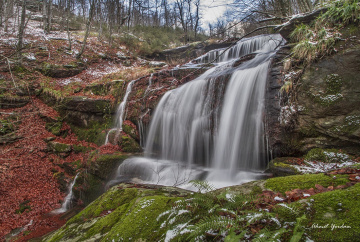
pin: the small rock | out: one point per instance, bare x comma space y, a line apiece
156, 64
48, 139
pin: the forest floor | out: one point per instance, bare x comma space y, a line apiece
29, 188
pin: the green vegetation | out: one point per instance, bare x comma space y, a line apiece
6, 127
336, 208
149, 39
319, 38
93, 133
24, 206
306, 181
327, 155
128, 144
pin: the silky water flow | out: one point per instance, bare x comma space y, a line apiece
212, 127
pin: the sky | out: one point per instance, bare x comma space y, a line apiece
211, 10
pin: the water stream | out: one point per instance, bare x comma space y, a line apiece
212, 127
120, 113
68, 199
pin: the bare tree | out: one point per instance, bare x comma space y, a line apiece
8, 13
88, 24
21, 30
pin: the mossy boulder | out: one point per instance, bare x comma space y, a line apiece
11, 101
123, 212
102, 165
306, 181
99, 169
282, 166
327, 155
334, 215
129, 145
88, 105
58, 148
130, 129
61, 71
94, 132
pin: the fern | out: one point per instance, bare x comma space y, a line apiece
302, 32
202, 186
298, 229
233, 237
212, 223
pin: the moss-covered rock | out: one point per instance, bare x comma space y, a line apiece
11, 101
306, 181
103, 165
130, 129
334, 215
122, 213
93, 133
128, 144
99, 169
61, 71
60, 149
282, 166
327, 155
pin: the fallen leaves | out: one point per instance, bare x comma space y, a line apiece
27, 171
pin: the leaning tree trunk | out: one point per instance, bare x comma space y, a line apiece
91, 14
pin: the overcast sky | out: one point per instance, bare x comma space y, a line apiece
211, 10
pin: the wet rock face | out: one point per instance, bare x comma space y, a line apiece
326, 111
187, 52
64, 71
146, 93
329, 103
274, 130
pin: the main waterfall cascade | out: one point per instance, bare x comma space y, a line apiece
212, 127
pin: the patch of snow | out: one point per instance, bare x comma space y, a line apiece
316, 167
251, 217
278, 199
286, 206
230, 197
276, 221
146, 203
172, 233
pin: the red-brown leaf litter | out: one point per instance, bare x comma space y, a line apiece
28, 188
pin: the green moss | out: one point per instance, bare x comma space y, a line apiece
57, 147
93, 133
81, 149
106, 223
6, 127
316, 154
23, 207
127, 213
108, 201
326, 155
129, 145
306, 181
282, 166
339, 207
255, 190
142, 222
103, 165
130, 131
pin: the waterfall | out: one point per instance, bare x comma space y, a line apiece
120, 113
68, 199
212, 127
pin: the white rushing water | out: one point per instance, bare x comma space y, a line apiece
212, 127
68, 199
120, 113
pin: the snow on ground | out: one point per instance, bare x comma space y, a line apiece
315, 167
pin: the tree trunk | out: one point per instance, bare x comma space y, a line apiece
91, 14
21, 31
